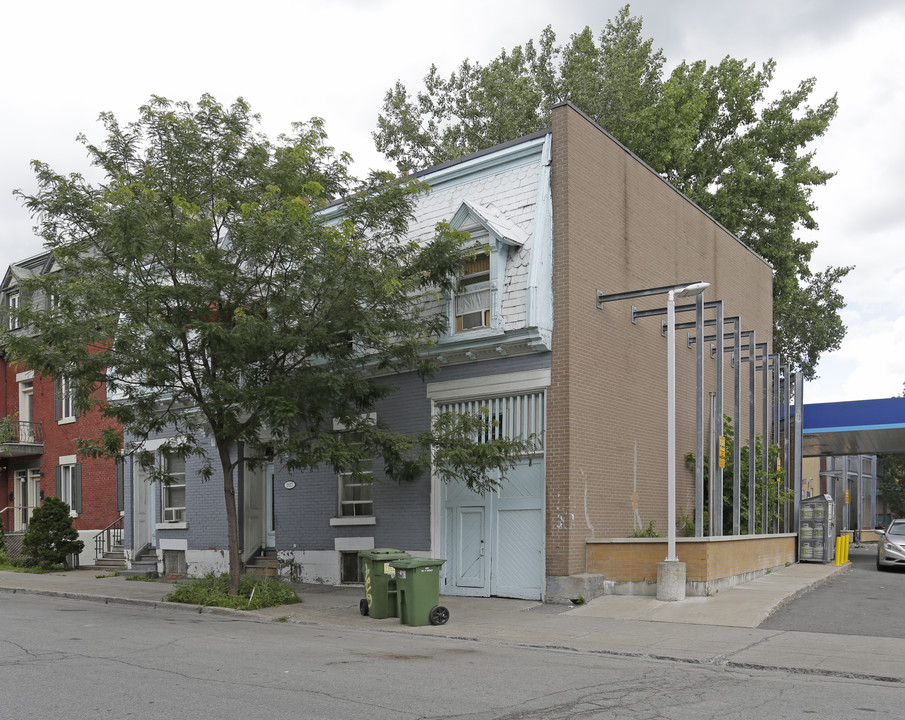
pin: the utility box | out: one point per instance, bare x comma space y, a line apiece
817, 531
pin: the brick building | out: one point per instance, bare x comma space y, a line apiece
39, 459
564, 213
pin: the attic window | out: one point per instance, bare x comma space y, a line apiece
12, 304
472, 302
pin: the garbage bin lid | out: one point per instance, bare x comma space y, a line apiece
410, 563
382, 554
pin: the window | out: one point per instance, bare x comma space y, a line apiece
350, 568
12, 304
69, 483
356, 493
67, 399
472, 300
174, 489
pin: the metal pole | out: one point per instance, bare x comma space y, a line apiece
718, 424
799, 432
699, 419
752, 433
671, 426
786, 445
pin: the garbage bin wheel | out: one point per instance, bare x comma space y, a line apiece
363, 606
439, 615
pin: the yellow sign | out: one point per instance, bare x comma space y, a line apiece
722, 451
846, 497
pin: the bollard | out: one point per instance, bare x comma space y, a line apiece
838, 550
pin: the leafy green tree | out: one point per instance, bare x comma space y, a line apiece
777, 496
711, 130
50, 538
891, 483
211, 284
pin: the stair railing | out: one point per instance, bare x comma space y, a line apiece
108, 537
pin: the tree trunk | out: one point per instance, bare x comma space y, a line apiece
232, 522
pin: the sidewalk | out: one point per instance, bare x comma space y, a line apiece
718, 630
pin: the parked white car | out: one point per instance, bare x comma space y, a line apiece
891, 546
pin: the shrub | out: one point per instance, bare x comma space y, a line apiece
254, 593
50, 537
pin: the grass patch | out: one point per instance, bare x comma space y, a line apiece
26, 565
141, 578
254, 593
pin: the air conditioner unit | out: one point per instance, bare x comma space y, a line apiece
174, 515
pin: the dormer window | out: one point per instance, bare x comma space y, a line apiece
12, 305
473, 296
476, 303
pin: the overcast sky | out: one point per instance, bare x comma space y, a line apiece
65, 62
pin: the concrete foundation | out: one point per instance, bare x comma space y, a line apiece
670, 580
567, 589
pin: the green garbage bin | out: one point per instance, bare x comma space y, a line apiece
380, 584
418, 591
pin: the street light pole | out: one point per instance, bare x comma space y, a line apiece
671, 427
687, 291
670, 572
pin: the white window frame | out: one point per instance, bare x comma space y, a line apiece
12, 303
173, 514
497, 252
345, 480
66, 472
67, 400
465, 285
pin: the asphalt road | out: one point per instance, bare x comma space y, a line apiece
863, 601
81, 660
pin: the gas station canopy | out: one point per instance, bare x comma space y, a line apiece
859, 427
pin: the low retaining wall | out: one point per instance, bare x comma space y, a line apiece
629, 565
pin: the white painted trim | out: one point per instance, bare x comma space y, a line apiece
152, 445
489, 385
362, 520
350, 544
172, 544
67, 460
172, 526
66, 420
25, 376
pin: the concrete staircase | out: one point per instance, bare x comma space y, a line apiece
263, 563
144, 564
113, 560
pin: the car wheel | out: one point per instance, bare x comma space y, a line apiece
881, 568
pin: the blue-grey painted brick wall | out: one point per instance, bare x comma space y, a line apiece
302, 514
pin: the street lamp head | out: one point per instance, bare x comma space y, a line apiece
692, 290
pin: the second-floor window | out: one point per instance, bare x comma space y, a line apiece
472, 301
64, 408
356, 490
67, 398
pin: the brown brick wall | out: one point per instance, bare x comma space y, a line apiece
706, 559
619, 227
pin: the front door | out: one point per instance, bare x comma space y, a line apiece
271, 540
26, 496
254, 512
144, 510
